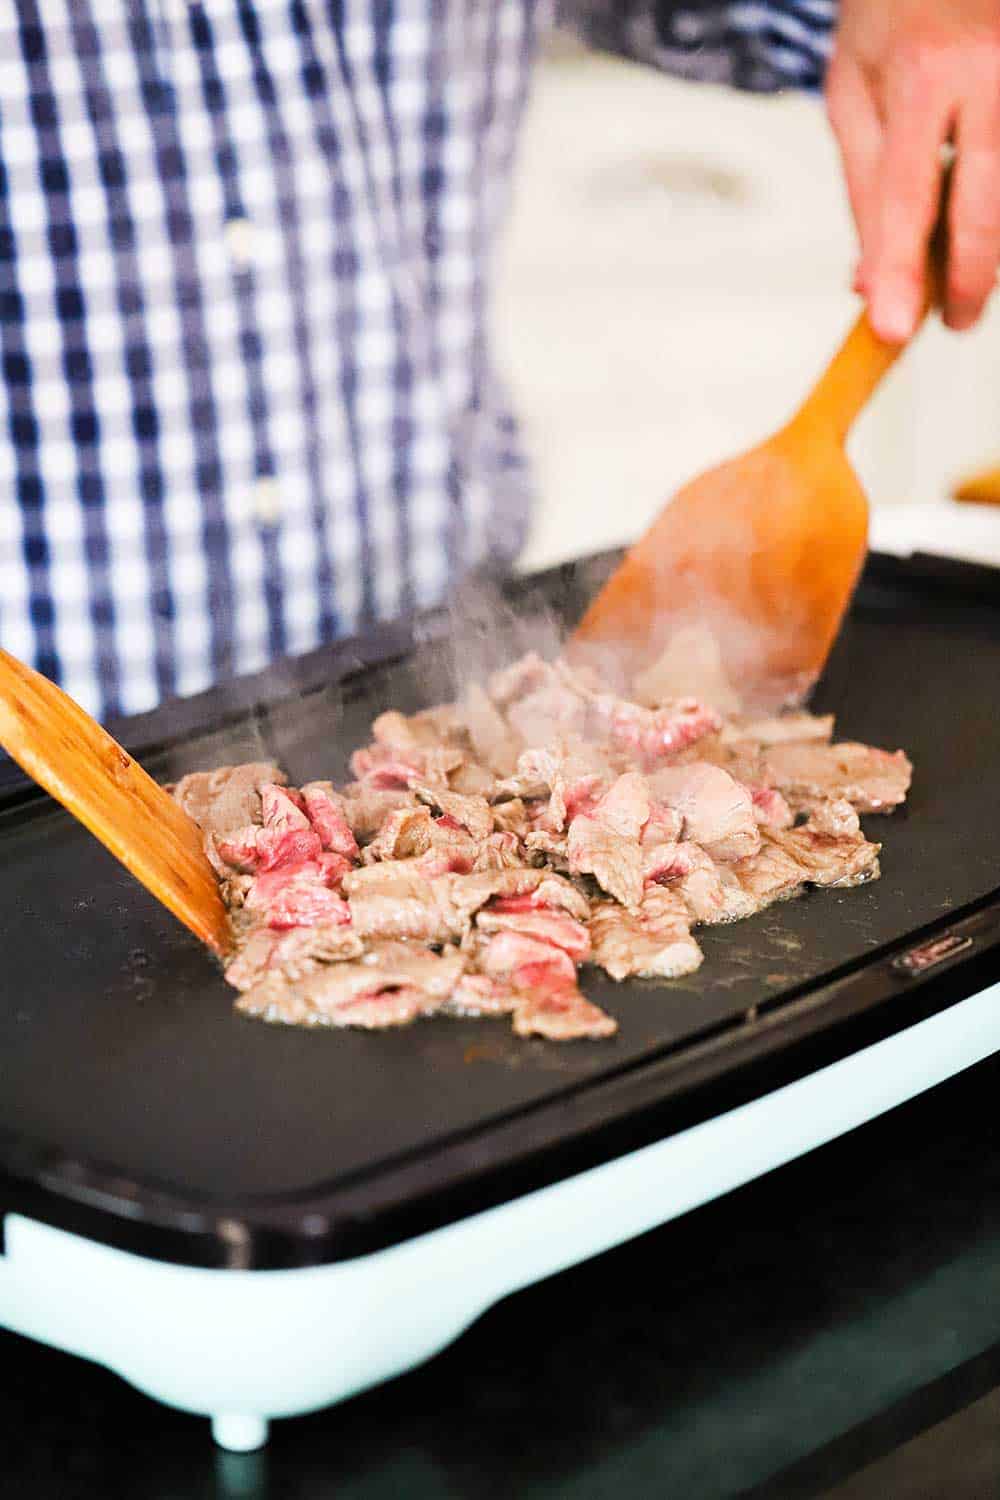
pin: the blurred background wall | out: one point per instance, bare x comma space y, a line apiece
676, 272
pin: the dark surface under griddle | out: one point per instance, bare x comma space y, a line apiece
119, 1045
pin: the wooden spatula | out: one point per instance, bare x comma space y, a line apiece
77, 762
980, 489
765, 551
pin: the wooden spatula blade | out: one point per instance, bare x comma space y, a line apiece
67, 752
763, 551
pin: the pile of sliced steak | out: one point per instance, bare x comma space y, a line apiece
488, 849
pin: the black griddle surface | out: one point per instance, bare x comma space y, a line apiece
119, 1045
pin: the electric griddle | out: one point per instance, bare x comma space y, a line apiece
249, 1221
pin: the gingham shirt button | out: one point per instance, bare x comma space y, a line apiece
240, 238
267, 501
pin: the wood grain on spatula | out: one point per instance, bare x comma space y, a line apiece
764, 551
67, 752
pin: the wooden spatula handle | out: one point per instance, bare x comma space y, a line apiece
68, 753
864, 359
849, 380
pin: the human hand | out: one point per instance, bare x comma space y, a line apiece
907, 77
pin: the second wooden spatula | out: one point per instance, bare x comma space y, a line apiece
764, 551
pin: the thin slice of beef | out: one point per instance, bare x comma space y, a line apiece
226, 799
871, 780
327, 814
479, 995
511, 817
656, 941
262, 847
554, 1008
293, 953
391, 984
717, 811
604, 842
615, 861
367, 808
396, 899
830, 858
555, 928
651, 736
471, 813
770, 808
500, 851
407, 832
772, 874
549, 1002
712, 893
625, 807
390, 768
463, 895
298, 895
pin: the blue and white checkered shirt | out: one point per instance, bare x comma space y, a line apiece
247, 400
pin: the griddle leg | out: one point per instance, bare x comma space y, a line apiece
239, 1434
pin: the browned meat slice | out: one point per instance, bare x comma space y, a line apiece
470, 813
772, 874
624, 808
391, 984
770, 808
440, 844
493, 741
391, 768
654, 942
552, 846
511, 817
712, 893
479, 995
367, 809
463, 895
293, 953
660, 836
604, 841
473, 780
500, 851
569, 775
779, 729
718, 811
871, 780
226, 799
831, 858
405, 833
397, 900
615, 861
560, 1013
836, 817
